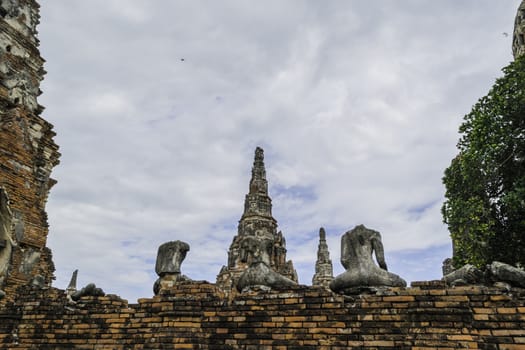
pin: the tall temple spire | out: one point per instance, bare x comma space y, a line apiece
256, 221
257, 201
323, 266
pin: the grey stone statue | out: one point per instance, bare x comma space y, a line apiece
73, 295
502, 272
256, 253
496, 273
169, 259
90, 290
447, 266
467, 274
357, 247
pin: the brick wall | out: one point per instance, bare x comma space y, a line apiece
197, 316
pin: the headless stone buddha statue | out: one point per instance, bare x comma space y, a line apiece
169, 259
357, 247
256, 252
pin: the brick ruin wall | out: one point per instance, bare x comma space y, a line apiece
27, 151
196, 315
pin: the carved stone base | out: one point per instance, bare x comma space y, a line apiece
261, 275
168, 281
359, 290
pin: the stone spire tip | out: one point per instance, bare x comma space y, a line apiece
259, 157
258, 182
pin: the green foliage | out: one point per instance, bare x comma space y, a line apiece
485, 184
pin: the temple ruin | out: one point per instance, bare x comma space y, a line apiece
324, 271
256, 221
27, 152
255, 303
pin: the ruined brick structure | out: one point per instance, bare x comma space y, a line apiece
27, 152
324, 272
256, 221
518, 40
197, 316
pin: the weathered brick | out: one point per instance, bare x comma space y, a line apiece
399, 298
506, 310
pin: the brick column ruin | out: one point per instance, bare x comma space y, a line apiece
27, 151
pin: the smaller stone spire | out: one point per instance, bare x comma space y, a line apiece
323, 266
72, 286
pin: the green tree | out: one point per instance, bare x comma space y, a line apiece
485, 184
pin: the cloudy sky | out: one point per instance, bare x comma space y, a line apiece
159, 105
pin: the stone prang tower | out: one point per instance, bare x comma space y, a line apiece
324, 273
256, 221
27, 152
518, 41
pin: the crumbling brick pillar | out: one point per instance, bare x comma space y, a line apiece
27, 151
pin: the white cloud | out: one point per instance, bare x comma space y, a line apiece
109, 103
356, 105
